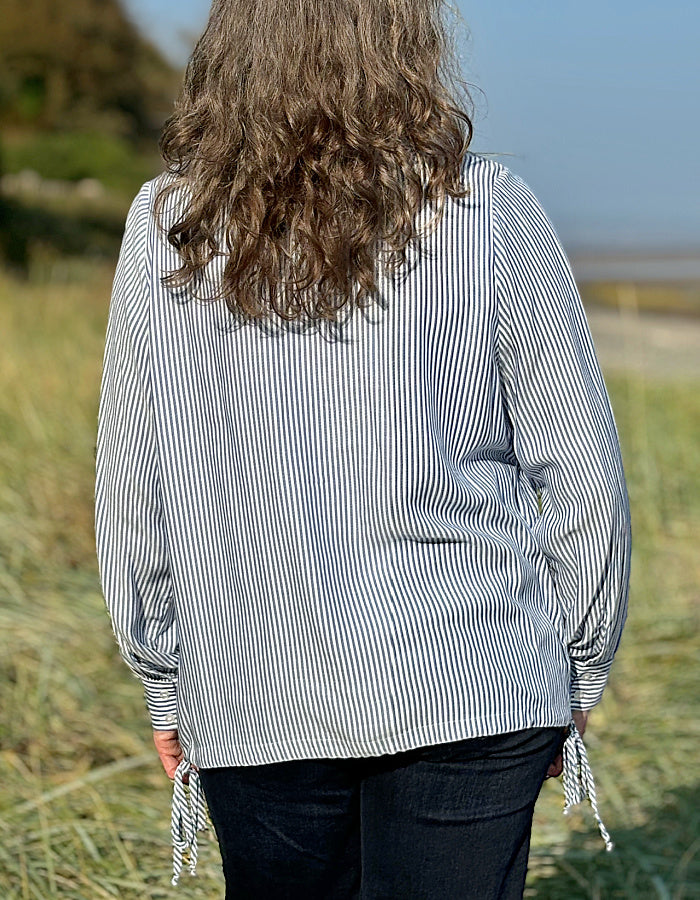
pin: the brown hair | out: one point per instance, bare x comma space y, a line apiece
307, 136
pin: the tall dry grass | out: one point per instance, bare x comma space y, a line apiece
84, 807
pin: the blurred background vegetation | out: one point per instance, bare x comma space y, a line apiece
84, 805
82, 98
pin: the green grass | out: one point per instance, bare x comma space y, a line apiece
84, 808
44, 233
74, 155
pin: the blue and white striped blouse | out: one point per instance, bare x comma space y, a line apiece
416, 533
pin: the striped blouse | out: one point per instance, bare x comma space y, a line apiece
414, 531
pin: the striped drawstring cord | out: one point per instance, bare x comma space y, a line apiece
578, 779
189, 816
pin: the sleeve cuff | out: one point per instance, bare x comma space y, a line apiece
587, 687
161, 699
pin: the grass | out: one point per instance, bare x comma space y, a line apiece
682, 297
41, 229
84, 810
75, 155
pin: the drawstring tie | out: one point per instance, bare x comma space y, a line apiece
578, 779
188, 817
189, 813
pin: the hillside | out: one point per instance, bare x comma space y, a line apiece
80, 64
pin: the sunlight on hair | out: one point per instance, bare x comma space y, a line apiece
306, 139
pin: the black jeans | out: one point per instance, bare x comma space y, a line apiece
444, 822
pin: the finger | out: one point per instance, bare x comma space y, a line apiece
170, 767
556, 768
170, 762
581, 720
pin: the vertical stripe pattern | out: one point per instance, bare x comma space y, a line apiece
413, 533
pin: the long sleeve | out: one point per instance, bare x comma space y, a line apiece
564, 435
131, 540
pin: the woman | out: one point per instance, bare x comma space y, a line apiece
362, 520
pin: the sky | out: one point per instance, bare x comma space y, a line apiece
596, 105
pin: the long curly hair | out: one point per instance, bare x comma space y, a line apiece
307, 136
